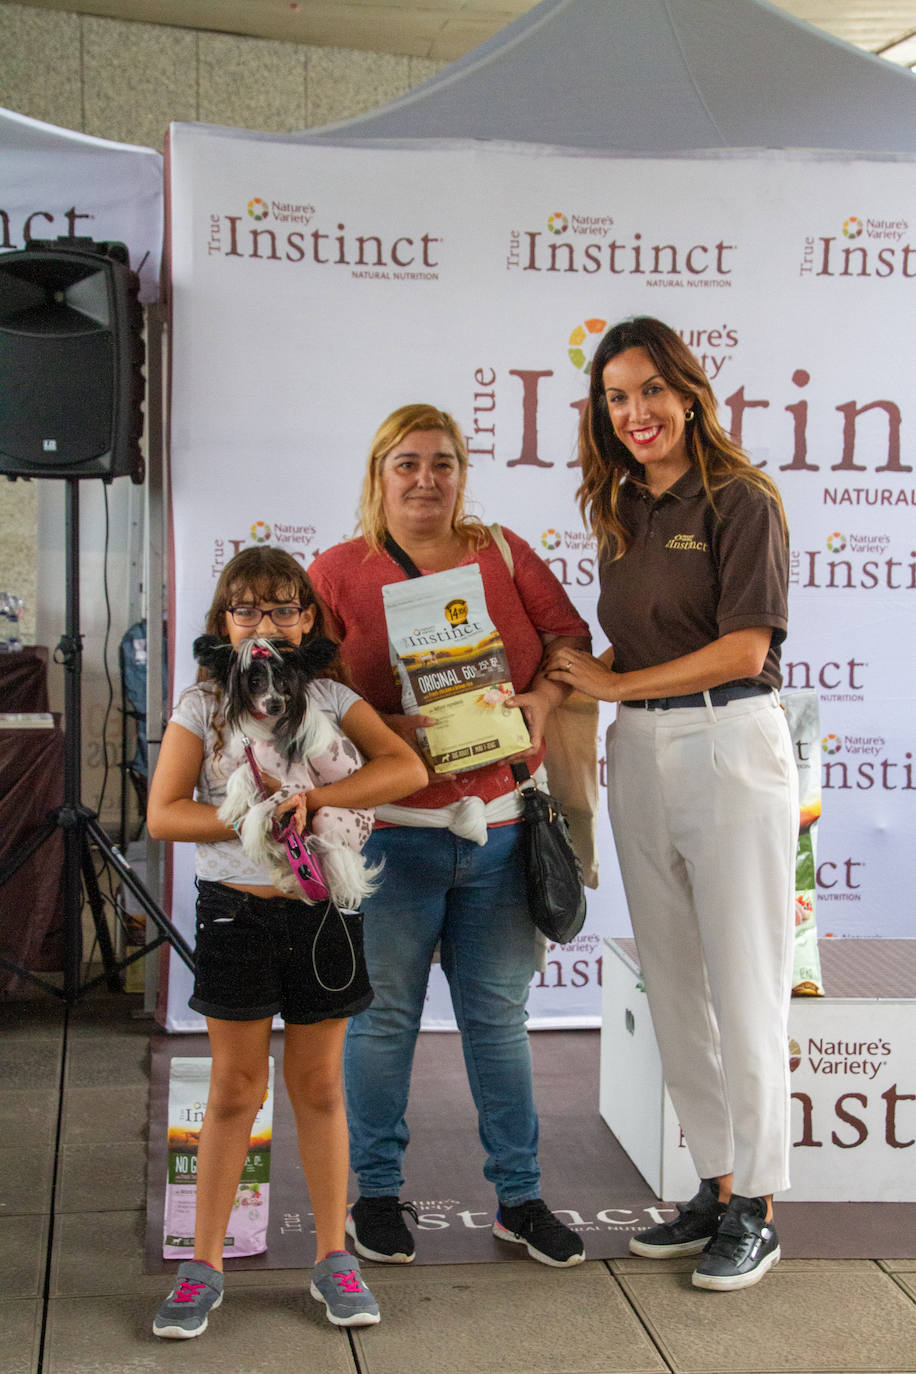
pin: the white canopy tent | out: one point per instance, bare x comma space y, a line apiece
56, 182
658, 76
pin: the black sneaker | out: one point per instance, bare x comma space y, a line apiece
533, 1224
690, 1231
379, 1231
745, 1247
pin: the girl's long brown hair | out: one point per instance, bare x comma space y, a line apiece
606, 462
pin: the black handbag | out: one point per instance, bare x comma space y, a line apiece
553, 876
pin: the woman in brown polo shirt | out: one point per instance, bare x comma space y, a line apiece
702, 785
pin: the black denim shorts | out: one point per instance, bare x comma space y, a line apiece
268, 956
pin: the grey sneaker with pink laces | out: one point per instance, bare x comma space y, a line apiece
198, 1290
338, 1283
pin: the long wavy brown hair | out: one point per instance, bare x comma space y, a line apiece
391, 432
607, 463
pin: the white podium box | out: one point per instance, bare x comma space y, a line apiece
853, 1078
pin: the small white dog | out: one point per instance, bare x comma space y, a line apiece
266, 703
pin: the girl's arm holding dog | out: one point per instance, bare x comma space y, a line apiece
392, 770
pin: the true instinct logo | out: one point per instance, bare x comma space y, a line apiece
870, 745
422, 638
835, 680
285, 212
32, 230
596, 226
576, 965
865, 768
864, 1057
873, 427
838, 880
412, 256
585, 337
687, 541
676, 262
827, 256
294, 538
812, 569
870, 771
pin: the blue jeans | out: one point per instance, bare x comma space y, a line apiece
436, 887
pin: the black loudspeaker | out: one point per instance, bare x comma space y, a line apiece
71, 361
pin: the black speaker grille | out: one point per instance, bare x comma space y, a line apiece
65, 415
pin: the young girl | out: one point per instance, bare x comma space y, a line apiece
254, 948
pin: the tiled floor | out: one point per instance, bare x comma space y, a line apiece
74, 1298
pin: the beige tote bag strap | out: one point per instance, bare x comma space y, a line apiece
571, 735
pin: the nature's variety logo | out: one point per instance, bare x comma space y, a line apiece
551, 539
836, 542
557, 223
456, 612
260, 532
582, 343
831, 744
794, 1055
257, 208
853, 227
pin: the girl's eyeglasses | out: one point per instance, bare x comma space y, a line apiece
249, 616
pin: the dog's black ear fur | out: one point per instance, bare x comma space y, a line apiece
314, 654
214, 654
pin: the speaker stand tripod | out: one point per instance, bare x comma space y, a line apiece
80, 825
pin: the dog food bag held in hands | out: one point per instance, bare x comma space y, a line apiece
452, 664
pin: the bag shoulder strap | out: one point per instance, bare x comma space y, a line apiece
401, 557
502, 543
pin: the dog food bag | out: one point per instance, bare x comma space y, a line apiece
802, 714
451, 664
189, 1081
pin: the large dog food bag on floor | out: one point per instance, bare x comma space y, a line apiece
189, 1082
451, 664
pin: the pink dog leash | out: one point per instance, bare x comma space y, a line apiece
304, 864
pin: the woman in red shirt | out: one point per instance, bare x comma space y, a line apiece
453, 874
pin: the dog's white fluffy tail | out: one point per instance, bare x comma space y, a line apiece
350, 879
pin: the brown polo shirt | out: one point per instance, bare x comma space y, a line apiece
692, 574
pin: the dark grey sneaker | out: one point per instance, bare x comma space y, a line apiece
337, 1282
533, 1225
198, 1290
691, 1230
379, 1230
745, 1247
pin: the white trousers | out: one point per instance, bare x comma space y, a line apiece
704, 808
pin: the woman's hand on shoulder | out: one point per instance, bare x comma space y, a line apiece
583, 672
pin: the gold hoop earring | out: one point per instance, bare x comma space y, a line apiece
688, 415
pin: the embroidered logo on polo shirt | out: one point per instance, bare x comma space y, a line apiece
687, 541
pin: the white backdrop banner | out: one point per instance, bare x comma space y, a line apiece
316, 288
